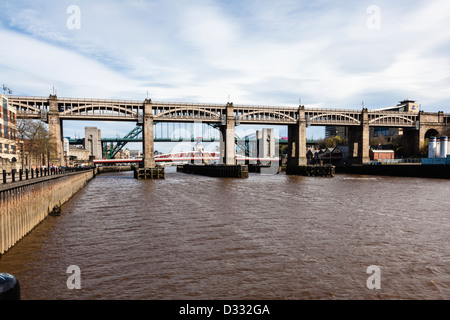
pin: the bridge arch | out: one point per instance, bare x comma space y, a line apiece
399, 117
327, 115
431, 133
264, 112
201, 112
98, 110
26, 109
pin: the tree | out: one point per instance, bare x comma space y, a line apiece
376, 141
423, 152
397, 146
37, 145
330, 142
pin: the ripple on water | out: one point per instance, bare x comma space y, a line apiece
265, 237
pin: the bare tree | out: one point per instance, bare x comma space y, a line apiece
376, 141
36, 143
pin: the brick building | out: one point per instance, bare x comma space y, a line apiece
8, 131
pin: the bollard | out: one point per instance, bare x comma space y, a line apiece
4, 176
26, 174
9, 287
13, 175
20, 174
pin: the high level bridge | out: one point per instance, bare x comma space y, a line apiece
53, 110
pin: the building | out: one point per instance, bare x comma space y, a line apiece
406, 105
93, 142
8, 131
380, 155
332, 131
135, 154
438, 147
389, 134
78, 156
123, 154
266, 143
336, 156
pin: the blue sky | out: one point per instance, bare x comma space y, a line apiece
326, 53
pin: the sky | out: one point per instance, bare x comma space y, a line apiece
331, 54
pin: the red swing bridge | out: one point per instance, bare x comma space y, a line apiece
186, 157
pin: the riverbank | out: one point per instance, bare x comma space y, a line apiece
399, 170
25, 204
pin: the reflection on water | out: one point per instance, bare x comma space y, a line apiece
265, 237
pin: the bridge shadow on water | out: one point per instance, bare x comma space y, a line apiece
128, 175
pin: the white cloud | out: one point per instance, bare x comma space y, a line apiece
48, 65
260, 52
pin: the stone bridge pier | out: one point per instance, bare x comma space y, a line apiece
148, 136
55, 131
227, 136
358, 140
297, 141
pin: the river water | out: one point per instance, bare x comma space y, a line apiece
265, 237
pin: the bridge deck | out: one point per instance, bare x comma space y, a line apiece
132, 110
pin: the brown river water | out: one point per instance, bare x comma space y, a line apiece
265, 237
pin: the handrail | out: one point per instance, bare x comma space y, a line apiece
29, 175
212, 105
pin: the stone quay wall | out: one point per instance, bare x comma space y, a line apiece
23, 205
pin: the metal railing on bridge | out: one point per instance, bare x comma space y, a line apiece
131, 110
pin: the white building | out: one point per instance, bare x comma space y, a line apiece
93, 142
266, 143
438, 147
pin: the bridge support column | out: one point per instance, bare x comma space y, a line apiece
228, 147
55, 132
148, 135
414, 138
297, 141
358, 141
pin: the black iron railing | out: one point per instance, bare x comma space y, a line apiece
27, 174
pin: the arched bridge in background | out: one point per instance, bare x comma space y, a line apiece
54, 110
